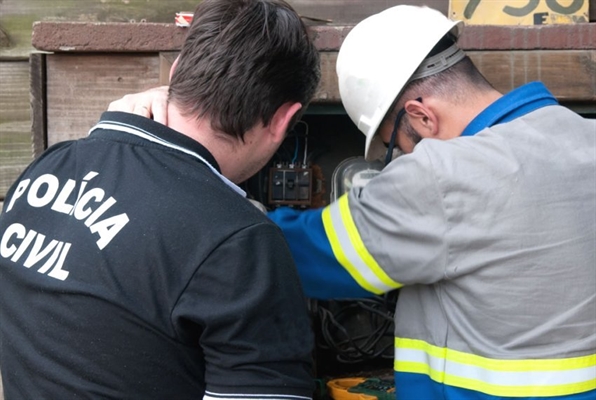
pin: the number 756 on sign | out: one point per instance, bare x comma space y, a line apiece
519, 12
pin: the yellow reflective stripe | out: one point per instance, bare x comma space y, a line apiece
358, 244
494, 364
339, 255
515, 378
350, 251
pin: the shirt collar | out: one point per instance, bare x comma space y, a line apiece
518, 102
152, 131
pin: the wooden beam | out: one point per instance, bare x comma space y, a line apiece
569, 74
18, 16
166, 59
4, 40
79, 37
15, 122
328, 91
37, 64
81, 86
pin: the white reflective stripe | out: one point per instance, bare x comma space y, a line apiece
348, 255
133, 130
232, 396
499, 377
255, 397
493, 377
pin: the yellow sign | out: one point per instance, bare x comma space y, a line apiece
519, 12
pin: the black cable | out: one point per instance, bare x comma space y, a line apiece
350, 347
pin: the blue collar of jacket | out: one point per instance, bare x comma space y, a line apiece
518, 102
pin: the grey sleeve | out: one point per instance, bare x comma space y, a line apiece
400, 218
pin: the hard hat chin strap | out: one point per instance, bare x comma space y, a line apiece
439, 62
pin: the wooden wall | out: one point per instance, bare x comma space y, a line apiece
17, 17
16, 20
15, 120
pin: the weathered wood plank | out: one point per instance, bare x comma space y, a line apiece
37, 63
4, 40
80, 87
72, 111
15, 122
118, 37
93, 37
166, 60
351, 11
328, 91
17, 16
569, 74
507, 70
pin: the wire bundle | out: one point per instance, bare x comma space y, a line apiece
357, 330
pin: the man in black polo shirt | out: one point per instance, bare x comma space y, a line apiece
133, 267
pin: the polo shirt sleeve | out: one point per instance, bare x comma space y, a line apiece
253, 327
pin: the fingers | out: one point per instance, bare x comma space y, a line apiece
120, 105
142, 110
159, 105
152, 103
132, 103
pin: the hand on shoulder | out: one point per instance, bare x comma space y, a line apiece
151, 103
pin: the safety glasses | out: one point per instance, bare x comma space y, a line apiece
391, 144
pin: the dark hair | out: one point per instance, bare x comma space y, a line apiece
242, 60
456, 82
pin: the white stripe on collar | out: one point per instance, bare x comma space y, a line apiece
241, 396
134, 130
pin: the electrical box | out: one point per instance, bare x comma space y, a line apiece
290, 186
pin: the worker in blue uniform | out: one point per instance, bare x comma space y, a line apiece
483, 218
486, 223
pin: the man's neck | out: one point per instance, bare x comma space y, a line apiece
472, 107
223, 147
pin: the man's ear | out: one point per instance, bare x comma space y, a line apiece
422, 118
281, 119
173, 67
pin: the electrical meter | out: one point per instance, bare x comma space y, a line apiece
353, 172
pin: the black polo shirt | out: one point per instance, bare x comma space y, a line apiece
130, 268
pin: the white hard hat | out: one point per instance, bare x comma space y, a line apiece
379, 57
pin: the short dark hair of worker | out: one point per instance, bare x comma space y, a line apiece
242, 60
